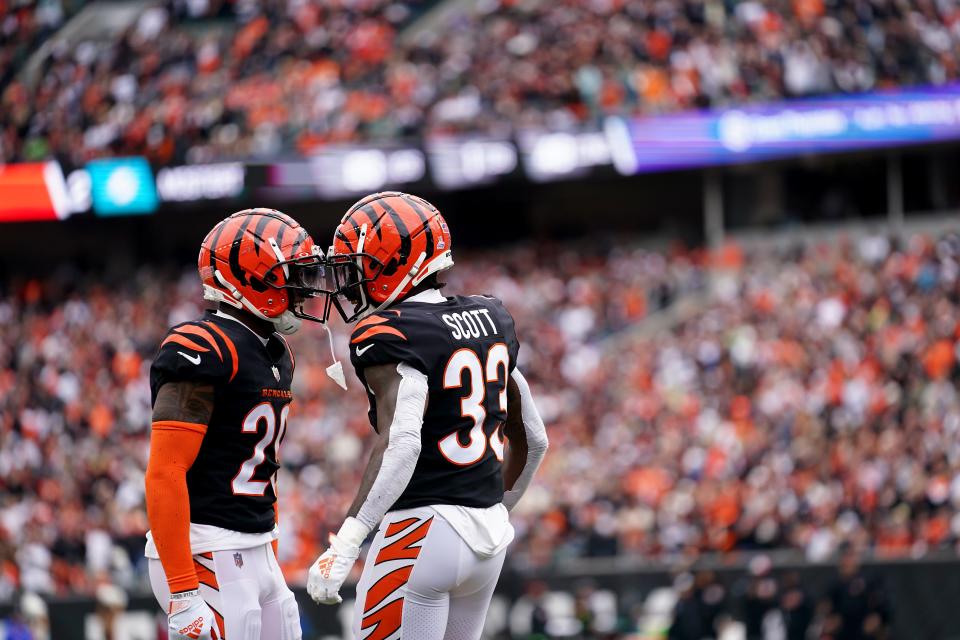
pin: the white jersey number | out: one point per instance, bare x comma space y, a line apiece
498, 357
243, 483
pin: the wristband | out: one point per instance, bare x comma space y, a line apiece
179, 599
352, 532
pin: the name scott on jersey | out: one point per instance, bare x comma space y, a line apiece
468, 324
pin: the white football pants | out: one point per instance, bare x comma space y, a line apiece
246, 590
422, 582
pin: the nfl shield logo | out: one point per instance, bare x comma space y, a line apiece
238, 560
276, 373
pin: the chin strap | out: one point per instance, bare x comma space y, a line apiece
216, 295
335, 371
407, 279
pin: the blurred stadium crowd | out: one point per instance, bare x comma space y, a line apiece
807, 403
75, 407
201, 80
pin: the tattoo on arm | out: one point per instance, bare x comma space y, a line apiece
385, 383
184, 402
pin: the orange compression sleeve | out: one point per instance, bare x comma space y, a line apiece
173, 448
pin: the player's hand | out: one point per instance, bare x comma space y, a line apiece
190, 618
331, 569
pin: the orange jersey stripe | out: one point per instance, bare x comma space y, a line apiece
366, 322
373, 331
401, 548
188, 343
385, 622
203, 333
396, 527
231, 348
385, 586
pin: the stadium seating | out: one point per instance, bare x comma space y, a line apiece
811, 387
252, 79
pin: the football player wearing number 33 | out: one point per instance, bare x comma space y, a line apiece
221, 395
458, 435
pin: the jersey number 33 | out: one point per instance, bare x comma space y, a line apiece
477, 377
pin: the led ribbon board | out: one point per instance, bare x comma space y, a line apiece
122, 186
784, 129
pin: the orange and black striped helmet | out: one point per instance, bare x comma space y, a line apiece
386, 244
264, 262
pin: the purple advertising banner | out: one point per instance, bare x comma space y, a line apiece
777, 130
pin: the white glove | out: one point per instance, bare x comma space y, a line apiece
331, 569
190, 618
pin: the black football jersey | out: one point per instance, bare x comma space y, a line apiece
231, 483
467, 347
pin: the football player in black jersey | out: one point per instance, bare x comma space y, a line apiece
444, 391
221, 397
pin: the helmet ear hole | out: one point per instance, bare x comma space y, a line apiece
391, 267
258, 285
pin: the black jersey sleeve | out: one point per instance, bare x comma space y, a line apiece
387, 338
192, 351
506, 324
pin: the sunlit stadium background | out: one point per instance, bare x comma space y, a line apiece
726, 228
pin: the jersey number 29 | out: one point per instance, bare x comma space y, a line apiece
497, 364
243, 483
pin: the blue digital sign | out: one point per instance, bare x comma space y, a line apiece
754, 133
122, 186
